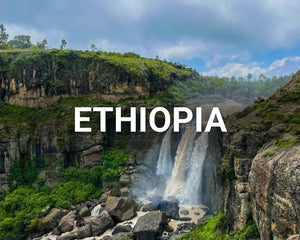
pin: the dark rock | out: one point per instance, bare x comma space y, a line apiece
168, 228
84, 212
66, 224
184, 212
123, 236
104, 197
100, 223
185, 227
122, 228
49, 222
124, 192
185, 219
45, 211
148, 207
125, 181
120, 208
84, 232
170, 208
150, 226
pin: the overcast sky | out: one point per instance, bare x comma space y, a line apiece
215, 37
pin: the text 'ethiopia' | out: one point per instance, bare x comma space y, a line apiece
177, 118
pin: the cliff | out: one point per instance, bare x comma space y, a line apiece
261, 162
40, 78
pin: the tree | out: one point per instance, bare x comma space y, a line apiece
21, 41
3, 35
262, 77
233, 79
93, 47
249, 76
63, 44
43, 44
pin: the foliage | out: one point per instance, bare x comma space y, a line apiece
21, 206
24, 173
3, 35
216, 228
21, 42
227, 166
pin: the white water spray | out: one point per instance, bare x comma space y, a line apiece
164, 163
176, 183
193, 191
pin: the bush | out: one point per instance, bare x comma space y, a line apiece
216, 228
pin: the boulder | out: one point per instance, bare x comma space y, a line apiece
185, 227
100, 223
148, 207
124, 192
84, 212
84, 231
120, 208
294, 237
122, 228
123, 236
66, 224
49, 222
171, 209
104, 197
45, 211
185, 219
184, 212
150, 226
125, 181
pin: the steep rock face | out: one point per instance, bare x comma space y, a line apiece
52, 142
40, 78
261, 163
274, 185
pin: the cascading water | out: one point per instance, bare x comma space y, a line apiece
176, 183
194, 179
164, 164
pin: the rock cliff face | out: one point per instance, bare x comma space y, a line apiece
40, 78
58, 147
262, 162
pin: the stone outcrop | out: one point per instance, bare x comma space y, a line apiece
263, 174
150, 226
40, 79
120, 208
274, 185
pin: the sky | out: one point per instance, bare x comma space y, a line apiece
215, 37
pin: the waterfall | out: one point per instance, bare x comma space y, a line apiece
176, 183
193, 190
164, 163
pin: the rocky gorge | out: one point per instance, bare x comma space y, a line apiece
251, 172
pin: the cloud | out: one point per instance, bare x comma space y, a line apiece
281, 62
279, 67
237, 70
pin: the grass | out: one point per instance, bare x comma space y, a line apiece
216, 228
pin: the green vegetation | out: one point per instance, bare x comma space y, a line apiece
231, 88
284, 143
20, 208
216, 229
227, 166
